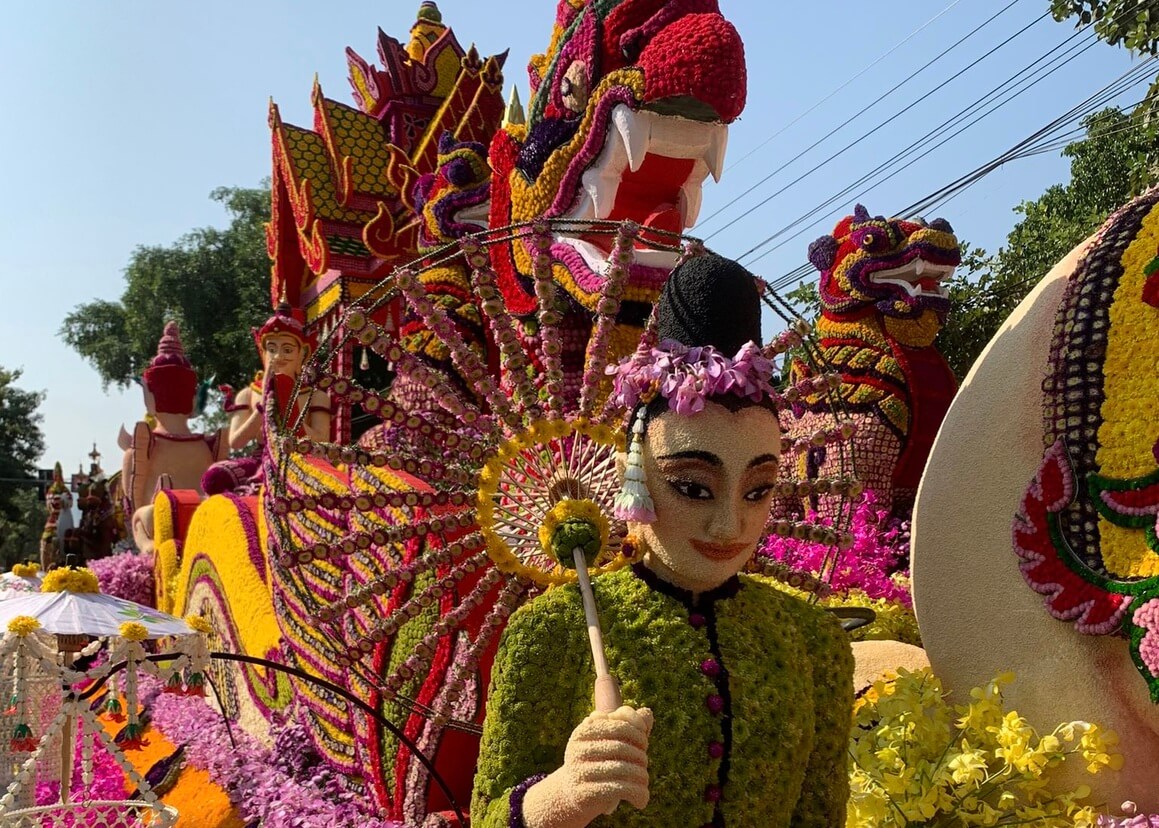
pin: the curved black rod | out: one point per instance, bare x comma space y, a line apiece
304, 676
221, 706
96, 686
361, 705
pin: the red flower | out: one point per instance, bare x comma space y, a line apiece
1094, 610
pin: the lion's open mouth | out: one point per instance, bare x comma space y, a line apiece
651, 171
917, 277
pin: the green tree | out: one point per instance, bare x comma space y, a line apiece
20, 536
1130, 23
21, 442
1134, 25
1107, 166
213, 282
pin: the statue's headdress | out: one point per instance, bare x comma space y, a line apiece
286, 321
709, 308
170, 377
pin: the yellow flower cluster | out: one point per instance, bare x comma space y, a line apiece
539, 434
918, 760
133, 631
1129, 428
26, 570
199, 624
23, 625
584, 511
67, 579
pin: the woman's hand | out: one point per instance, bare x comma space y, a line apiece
605, 763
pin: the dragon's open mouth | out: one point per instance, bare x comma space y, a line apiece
651, 171
917, 277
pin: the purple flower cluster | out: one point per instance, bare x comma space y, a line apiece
1137, 821
126, 575
286, 786
880, 551
686, 377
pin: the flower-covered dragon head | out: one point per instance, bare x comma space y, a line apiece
628, 117
453, 200
892, 265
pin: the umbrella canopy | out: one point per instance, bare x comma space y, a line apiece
12, 584
89, 613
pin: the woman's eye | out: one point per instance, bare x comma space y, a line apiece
691, 490
757, 495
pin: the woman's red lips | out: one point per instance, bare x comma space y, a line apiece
718, 551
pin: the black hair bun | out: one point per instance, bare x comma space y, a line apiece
711, 300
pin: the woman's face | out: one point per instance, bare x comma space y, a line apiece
283, 354
711, 477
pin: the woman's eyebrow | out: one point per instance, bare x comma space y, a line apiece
704, 456
762, 458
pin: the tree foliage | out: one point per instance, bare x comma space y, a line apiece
1105, 166
20, 534
1130, 23
213, 282
21, 442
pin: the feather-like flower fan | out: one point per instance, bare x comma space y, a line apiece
397, 560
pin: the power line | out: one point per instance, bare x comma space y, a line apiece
930, 136
1023, 149
869, 106
1028, 146
917, 146
843, 86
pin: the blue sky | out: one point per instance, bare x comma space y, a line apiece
121, 117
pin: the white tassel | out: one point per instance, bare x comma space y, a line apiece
633, 502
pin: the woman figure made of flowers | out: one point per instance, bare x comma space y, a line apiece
736, 698
284, 347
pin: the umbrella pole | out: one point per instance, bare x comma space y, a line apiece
66, 743
68, 645
607, 689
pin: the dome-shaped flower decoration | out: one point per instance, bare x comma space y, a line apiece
70, 579
23, 625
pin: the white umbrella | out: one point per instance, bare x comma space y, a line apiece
12, 584
71, 615
89, 613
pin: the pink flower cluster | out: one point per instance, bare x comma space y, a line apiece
686, 377
286, 786
108, 778
1146, 617
126, 575
880, 551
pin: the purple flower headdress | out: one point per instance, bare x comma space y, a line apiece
686, 376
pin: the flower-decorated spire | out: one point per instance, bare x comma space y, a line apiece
170, 377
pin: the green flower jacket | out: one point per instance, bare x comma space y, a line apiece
751, 691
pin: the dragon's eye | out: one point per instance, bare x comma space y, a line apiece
574, 86
630, 48
459, 172
872, 239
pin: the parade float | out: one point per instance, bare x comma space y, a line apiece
1053, 551
457, 278
627, 119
